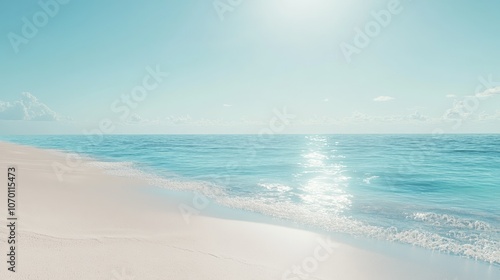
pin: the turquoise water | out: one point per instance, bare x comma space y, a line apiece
437, 192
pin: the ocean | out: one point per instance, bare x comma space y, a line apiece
439, 192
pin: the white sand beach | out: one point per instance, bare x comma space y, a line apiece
92, 225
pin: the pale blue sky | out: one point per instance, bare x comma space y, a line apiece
228, 76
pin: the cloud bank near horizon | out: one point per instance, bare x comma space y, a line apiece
27, 108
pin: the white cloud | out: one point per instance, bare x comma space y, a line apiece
383, 98
451, 96
489, 92
135, 119
358, 118
28, 108
178, 120
489, 117
459, 111
417, 116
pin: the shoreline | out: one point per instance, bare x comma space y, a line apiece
94, 225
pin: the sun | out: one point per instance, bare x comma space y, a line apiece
289, 18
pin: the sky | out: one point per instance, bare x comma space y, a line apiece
241, 66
